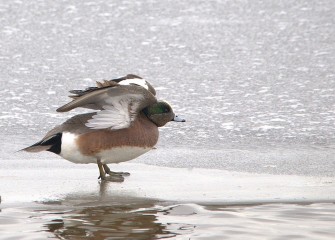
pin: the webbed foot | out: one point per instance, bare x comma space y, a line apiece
112, 178
111, 173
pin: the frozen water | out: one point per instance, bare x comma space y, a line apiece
241, 72
246, 75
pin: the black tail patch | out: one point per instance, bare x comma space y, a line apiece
55, 143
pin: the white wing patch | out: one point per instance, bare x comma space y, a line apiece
137, 81
117, 116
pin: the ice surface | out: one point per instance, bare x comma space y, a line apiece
243, 62
255, 81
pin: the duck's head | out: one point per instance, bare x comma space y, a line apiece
160, 113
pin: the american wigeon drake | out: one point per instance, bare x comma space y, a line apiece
124, 126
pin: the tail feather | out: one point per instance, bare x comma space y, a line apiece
51, 143
36, 148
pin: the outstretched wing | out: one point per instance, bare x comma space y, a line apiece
119, 104
129, 79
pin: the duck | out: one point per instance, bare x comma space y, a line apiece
123, 126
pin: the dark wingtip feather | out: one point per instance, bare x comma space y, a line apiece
63, 109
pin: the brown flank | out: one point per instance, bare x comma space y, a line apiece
142, 133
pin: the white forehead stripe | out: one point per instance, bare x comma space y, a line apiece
137, 81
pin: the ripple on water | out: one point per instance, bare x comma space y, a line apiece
140, 220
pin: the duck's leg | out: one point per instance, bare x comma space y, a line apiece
101, 170
111, 178
109, 172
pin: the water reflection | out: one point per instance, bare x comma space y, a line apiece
103, 221
106, 216
133, 218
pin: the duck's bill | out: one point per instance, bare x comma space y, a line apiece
178, 119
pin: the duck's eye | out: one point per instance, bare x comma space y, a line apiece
166, 110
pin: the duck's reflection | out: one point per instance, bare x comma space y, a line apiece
107, 217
